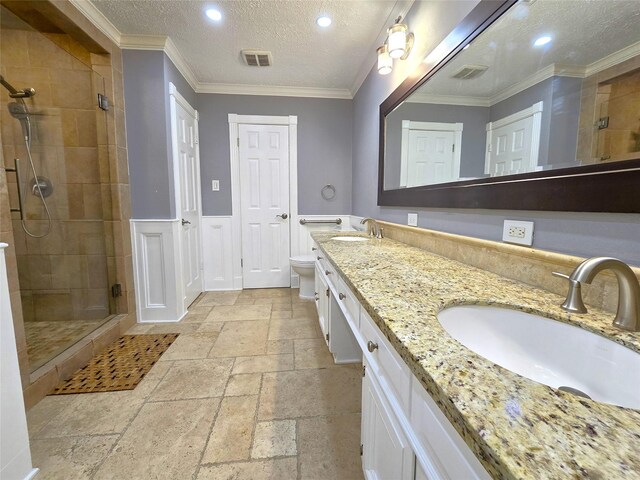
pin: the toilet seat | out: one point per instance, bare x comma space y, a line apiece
302, 260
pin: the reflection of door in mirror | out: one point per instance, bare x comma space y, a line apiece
513, 142
430, 153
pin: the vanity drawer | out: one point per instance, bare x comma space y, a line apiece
391, 371
349, 300
329, 271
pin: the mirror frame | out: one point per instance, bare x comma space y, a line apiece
605, 187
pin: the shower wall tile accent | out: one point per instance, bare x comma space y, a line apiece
69, 274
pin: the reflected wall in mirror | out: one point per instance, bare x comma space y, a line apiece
551, 84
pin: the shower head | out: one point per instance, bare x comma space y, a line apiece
20, 111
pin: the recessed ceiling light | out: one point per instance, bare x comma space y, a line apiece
542, 41
323, 21
213, 14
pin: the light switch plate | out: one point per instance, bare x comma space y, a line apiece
515, 231
215, 185
412, 219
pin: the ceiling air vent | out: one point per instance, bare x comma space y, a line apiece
468, 72
257, 58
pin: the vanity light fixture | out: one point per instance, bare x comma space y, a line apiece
542, 41
397, 45
385, 62
213, 14
323, 21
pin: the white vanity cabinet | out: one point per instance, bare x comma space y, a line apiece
405, 435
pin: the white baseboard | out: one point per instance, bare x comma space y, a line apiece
156, 266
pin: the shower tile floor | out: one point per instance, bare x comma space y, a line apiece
248, 391
47, 339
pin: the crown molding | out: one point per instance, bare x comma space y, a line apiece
95, 16
273, 90
613, 59
449, 100
401, 8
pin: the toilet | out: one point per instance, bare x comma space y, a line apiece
304, 266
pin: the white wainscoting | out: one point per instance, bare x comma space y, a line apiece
157, 270
219, 254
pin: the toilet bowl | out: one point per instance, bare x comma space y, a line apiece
304, 266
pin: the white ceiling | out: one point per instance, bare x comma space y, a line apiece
304, 55
583, 32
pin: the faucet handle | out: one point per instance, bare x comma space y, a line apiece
573, 302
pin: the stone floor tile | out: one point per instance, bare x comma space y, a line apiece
277, 469
270, 292
312, 353
241, 339
235, 313
280, 314
94, 414
294, 328
72, 457
274, 439
190, 346
139, 328
199, 310
329, 447
194, 379
173, 327
45, 410
279, 346
306, 393
263, 363
244, 384
165, 441
230, 439
151, 380
211, 299
210, 327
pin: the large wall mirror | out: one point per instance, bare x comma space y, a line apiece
535, 105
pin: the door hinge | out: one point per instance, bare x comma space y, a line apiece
241, 262
364, 370
116, 290
453, 147
327, 337
238, 141
361, 449
327, 292
103, 102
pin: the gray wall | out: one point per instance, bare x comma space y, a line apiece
474, 135
585, 234
146, 89
324, 148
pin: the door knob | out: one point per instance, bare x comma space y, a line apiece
185, 222
284, 216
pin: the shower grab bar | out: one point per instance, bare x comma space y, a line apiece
16, 170
337, 221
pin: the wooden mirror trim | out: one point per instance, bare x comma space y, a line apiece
604, 187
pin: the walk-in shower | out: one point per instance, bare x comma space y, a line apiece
38, 185
55, 155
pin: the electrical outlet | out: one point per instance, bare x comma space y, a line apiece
518, 232
215, 185
412, 219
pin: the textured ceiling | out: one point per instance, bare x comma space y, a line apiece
304, 55
583, 32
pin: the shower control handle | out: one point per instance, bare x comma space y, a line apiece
185, 222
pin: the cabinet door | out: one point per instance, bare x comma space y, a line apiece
386, 454
322, 303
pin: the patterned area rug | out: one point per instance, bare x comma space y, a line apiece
119, 367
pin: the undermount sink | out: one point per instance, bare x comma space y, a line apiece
549, 352
350, 238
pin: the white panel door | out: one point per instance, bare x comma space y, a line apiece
264, 192
511, 148
431, 157
189, 182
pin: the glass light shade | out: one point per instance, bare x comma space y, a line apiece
397, 40
385, 62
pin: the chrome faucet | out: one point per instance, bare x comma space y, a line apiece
373, 228
628, 314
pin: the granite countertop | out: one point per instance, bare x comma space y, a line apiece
518, 428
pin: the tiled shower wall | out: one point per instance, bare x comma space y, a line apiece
105, 59
63, 276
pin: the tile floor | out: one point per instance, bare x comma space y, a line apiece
248, 391
46, 339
